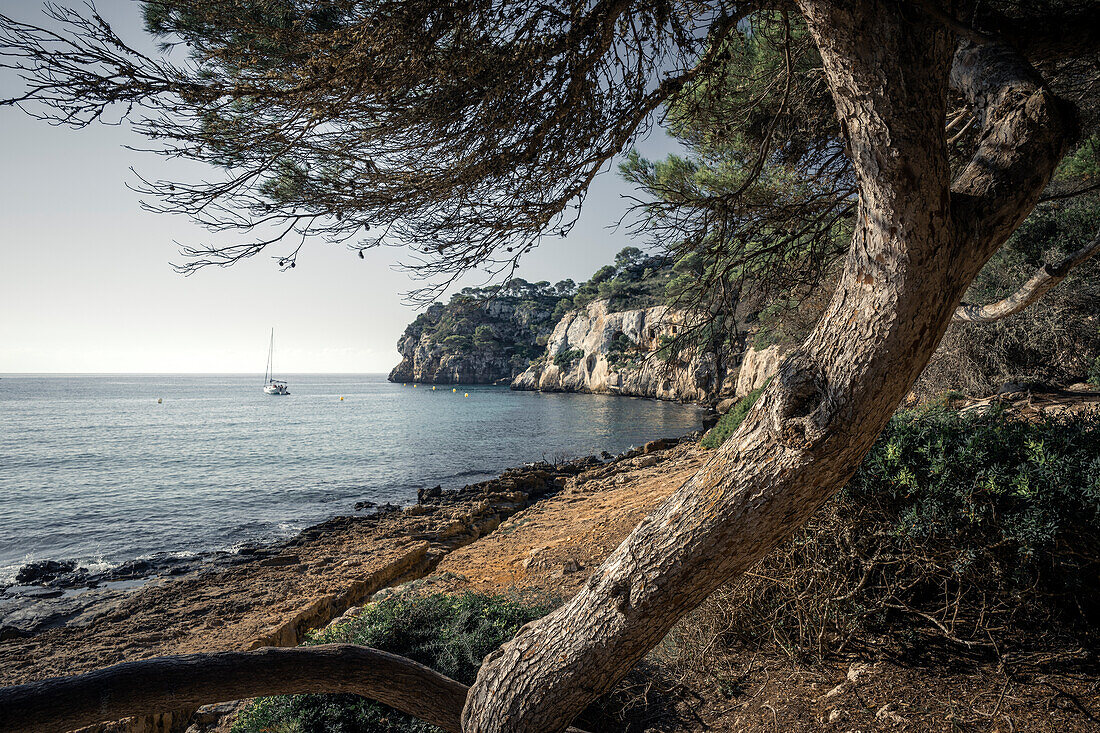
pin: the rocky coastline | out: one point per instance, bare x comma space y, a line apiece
50, 600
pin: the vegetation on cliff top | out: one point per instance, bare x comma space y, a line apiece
510, 322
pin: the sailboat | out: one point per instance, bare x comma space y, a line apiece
272, 385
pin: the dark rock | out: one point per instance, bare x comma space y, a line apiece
424, 494
364, 505
44, 593
43, 571
11, 632
132, 569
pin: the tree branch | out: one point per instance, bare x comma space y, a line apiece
1023, 132
188, 681
1046, 278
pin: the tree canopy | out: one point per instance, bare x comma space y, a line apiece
470, 131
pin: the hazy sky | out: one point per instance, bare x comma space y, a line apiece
86, 286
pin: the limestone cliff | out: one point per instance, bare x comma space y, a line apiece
476, 339
757, 367
592, 350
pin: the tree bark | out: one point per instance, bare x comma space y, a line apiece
918, 243
1036, 287
172, 683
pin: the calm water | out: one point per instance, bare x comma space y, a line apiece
92, 468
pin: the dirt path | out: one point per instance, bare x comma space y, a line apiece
554, 545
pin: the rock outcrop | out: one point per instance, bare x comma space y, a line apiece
474, 339
592, 350
757, 367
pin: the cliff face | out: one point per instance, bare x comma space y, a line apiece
473, 341
420, 362
591, 350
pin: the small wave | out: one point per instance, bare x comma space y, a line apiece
97, 564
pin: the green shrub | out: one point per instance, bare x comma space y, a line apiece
457, 342
987, 481
565, 359
450, 634
732, 419
1094, 372
484, 335
978, 534
622, 351
562, 307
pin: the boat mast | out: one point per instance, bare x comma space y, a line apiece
270, 351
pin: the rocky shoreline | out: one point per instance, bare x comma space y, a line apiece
51, 593
74, 619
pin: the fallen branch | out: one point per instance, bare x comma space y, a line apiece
1046, 278
188, 681
191, 680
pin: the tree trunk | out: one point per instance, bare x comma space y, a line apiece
919, 242
171, 683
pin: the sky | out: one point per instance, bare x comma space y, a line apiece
86, 283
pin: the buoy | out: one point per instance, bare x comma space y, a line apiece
466, 395
454, 389
160, 400
341, 399
404, 384
433, 389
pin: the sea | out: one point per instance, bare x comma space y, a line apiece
106, 469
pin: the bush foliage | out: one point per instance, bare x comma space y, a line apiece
981, 531
566, 359
450, 634
991, 481
731, 420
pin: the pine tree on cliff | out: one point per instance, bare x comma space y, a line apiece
473, 129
